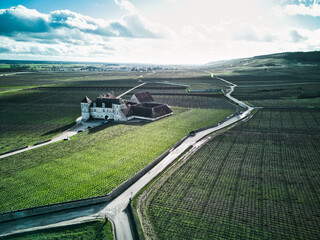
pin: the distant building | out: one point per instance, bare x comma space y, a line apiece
108, 107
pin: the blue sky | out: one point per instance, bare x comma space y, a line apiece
157, 31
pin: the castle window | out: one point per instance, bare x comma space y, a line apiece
103, 110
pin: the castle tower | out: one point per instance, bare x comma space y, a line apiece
85, 108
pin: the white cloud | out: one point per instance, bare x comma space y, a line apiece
17, 20
67, 35
126, 5
301, 9
230, 30
296, 37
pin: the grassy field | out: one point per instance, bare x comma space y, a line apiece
259, 180
94, 162
86, 231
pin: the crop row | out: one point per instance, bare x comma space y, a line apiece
194, 101
298, 121
263, 79
196, 83
287, 103
70, 79
242, 185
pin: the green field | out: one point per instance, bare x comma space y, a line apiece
259, 180
37, 106
31, 116
94, 162
86, 231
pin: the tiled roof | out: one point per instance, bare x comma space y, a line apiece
107, 101
161, 110
107, 95
141, 97
141, 111
151, 110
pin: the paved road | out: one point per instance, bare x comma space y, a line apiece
116, 209
131, 89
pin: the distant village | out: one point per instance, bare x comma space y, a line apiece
78, 67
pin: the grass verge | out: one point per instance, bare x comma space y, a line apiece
86, 231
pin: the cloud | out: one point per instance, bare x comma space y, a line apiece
4, 50
70, 35
296, 37
303, 8
127, 6
66, 18
67, 35
230, 30
18, 20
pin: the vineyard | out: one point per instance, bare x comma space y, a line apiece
195, 101
278, 87
37, 106
43, 105
259, 180
94, 162
287, 103
195, 82
30, 116
293, 95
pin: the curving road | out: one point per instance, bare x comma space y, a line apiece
116, 209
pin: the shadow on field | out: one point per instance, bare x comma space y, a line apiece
59, 130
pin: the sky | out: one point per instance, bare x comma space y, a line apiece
157, 31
